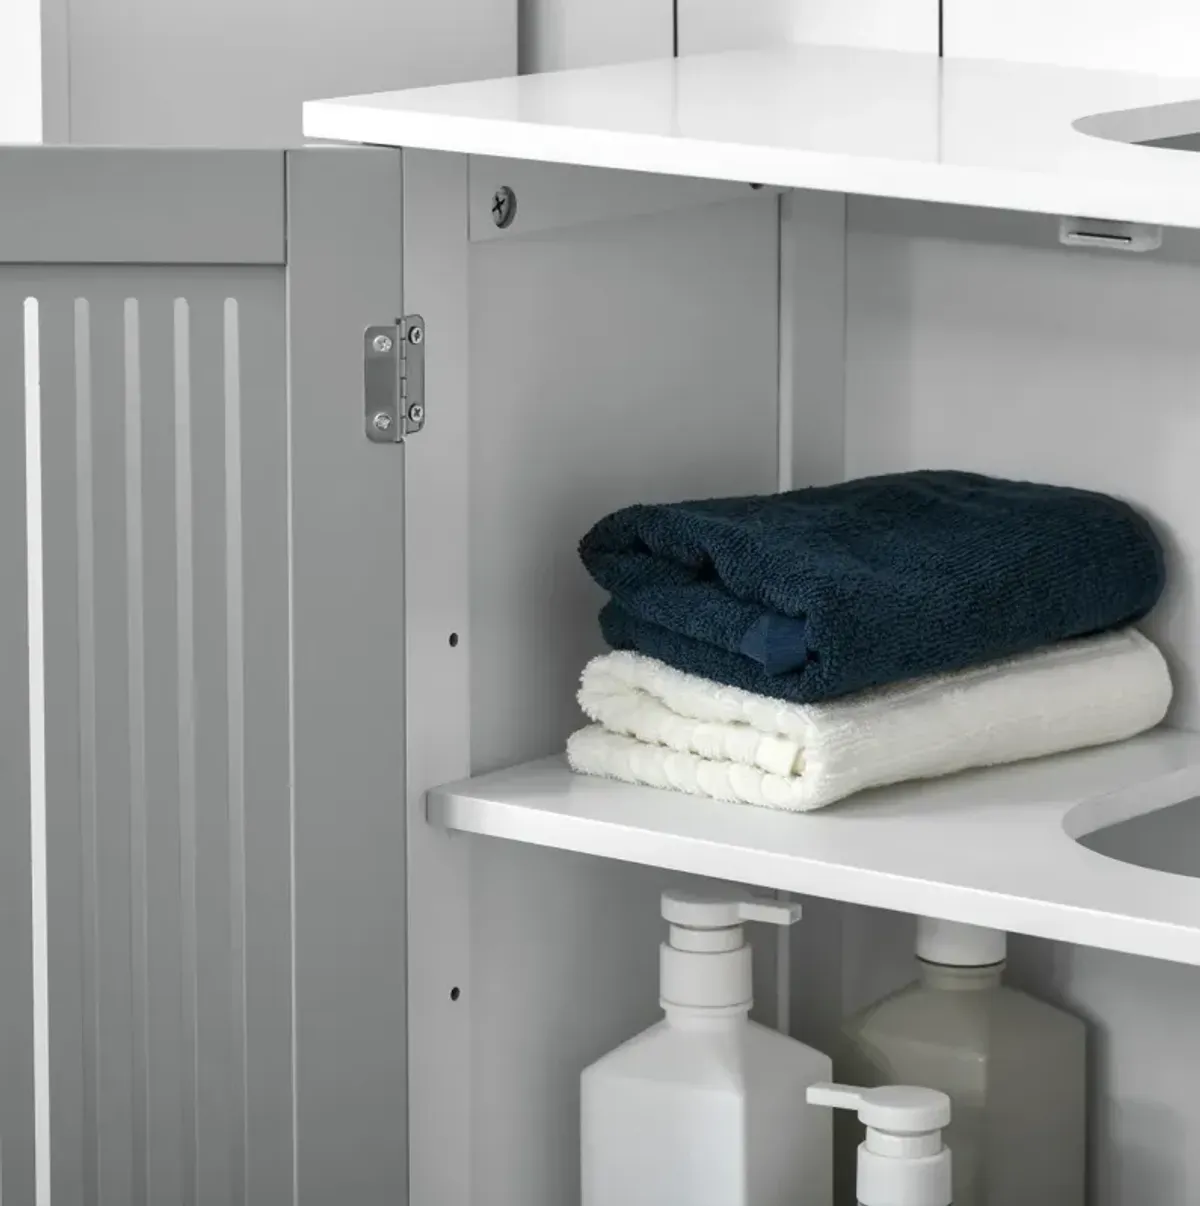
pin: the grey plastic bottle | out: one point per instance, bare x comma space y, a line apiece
1013, 1067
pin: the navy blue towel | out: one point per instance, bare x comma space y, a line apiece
817, 593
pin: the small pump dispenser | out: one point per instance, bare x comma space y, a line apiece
1014, 1068
707, 1107
903, 1161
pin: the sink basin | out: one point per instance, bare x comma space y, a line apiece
1174, 127
1167, 840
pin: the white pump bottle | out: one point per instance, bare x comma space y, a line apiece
707, 1108
903, 1161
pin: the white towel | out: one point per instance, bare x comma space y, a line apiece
663, 728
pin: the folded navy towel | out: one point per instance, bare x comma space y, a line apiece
817, 593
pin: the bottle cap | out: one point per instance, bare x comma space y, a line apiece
953, 944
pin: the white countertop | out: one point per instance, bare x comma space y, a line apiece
857, 121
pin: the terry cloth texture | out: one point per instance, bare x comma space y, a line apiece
660, 727
818, 593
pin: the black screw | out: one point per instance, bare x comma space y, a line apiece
455, 993
504, 207
454, 640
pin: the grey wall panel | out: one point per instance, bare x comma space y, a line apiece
347, 498
225, 73
16, 984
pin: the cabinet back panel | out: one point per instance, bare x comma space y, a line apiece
1081, 368
1035, 363
610, 363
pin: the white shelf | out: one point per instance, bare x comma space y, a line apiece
993, 847
856, 121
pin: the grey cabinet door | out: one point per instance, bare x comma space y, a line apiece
202, 922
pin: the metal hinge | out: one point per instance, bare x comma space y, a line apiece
394, 379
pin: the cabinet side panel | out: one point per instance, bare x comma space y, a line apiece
617, 362
439, 644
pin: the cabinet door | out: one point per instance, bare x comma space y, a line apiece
202, 897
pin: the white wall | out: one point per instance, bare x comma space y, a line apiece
556, 34
582, 33
20, 71
1158, 36
1161, 36
712, 25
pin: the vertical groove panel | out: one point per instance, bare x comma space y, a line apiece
165, 1038
186, 718
267, 886
235, 677
37, 744
85, 586
114, 962
135, 634
64, 833
213, 891
167, 666
16, 902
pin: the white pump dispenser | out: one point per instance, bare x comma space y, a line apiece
706, 962
707, 1107
903, 1161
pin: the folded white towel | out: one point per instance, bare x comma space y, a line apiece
663, 728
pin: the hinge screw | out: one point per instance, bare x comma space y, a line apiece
416, 412
504, 207
416, 335
382, 343
382, 421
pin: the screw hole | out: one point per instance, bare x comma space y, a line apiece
454, 640
455, 993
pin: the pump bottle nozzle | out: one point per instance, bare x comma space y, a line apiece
705, 963
903, 1161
